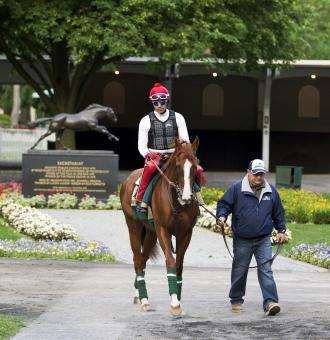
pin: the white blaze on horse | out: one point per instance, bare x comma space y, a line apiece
174, 211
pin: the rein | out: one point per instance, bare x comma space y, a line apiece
162, 174
278, 250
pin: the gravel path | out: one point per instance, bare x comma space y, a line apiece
78, 300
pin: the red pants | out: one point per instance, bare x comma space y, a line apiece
149, 170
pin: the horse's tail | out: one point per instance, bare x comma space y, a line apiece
154, 252
35, 123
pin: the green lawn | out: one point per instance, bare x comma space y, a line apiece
327, 196
9, 326
308, 234
7, 233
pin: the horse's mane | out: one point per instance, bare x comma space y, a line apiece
92, 106
181, 147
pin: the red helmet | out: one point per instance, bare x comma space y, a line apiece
159, 92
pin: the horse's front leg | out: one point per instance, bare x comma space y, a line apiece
165, 242
103, 129
182, 245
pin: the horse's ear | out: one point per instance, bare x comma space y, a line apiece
178, 143
195, 144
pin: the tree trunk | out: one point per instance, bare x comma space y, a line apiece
16, 106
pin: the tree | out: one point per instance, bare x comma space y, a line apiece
317, 32
58, 45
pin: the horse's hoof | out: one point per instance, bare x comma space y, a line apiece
145, 307
176, 311
136, 300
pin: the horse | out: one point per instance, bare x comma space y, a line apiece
174, 210
85, 120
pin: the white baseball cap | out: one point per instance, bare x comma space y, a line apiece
257, 166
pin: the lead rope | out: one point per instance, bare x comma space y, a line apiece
278, 250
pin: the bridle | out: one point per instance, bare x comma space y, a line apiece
175, 185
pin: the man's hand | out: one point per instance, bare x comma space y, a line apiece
280, 238
151, 155
221, 221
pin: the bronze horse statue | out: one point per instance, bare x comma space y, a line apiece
174, 211
85, 120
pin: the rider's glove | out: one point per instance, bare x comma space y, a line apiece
151, 155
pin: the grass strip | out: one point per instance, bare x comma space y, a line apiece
9, 326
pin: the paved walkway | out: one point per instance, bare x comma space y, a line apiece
70, 300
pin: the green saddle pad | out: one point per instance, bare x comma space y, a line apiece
147, 200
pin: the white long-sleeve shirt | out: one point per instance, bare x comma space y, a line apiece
144, 128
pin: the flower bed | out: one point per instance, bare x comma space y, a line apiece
47, 249
30, 221
305, 207
300, 206
62, 201
318, 255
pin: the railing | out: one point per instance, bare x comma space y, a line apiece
14, 142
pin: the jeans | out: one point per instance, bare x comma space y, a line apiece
243, 250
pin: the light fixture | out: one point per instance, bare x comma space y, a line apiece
117, 72
313, 76
214, 74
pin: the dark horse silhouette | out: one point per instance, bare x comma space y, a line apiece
85, 120
174, 211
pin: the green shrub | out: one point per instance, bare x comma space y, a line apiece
38, 201
87, 202
113, 202
62, 201
211, 195
4, 120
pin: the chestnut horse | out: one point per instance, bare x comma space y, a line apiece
174, 210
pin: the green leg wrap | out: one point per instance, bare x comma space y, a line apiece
140, 284
172, 281
179, 282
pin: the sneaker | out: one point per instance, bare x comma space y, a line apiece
141, 209
236, 307
273, 308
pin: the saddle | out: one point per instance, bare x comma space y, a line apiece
146, 199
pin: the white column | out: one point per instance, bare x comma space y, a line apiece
266, 118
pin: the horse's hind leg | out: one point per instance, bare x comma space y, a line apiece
149, 246
135, 232
59, 135
46, 134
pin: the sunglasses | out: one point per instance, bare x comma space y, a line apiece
159, 96
159, 102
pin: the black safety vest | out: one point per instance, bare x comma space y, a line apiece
162, 134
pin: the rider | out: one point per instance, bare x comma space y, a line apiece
157, 131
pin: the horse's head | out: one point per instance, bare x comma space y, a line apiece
102, 111
110, 114
186, 165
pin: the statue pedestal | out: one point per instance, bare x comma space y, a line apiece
79, 172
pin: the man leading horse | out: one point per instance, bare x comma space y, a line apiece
158, 131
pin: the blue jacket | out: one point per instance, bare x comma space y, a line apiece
252, 217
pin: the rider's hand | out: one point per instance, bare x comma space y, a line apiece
221, 221
280, 238
151, 155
